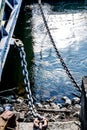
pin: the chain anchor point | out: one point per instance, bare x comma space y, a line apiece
18, 43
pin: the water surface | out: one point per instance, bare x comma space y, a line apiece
68, 26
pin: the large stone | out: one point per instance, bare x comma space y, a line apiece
54, 106
39, 105
75, 100
67, 101
77, 106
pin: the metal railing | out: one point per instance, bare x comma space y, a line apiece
9, 14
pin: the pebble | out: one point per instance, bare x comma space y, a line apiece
54, 106
67, 101
75, 100
22, 110
76, 114
46, 106
59, 105
39, 105
77, 106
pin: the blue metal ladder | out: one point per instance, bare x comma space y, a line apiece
9, 11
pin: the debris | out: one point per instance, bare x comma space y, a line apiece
7, 120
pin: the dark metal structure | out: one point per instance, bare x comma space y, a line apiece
83, 114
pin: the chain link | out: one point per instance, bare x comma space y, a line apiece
56, 50
20, 46
32, 109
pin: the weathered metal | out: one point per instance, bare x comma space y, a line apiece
9, 14
7, 120
83, 114
2, 6
40, 124
21, 50
56, 50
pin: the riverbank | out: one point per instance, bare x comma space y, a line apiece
70, 125
60, 116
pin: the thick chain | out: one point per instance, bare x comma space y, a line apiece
32, 109
56, 50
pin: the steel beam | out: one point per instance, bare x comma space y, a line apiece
8, 21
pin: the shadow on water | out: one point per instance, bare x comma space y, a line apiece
10, 77
47, 77
12, 74
56, 1
64, 24
23, 32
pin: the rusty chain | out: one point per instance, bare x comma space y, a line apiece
32, 109
56, 50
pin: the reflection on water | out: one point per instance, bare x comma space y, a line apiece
68, 27
69, 30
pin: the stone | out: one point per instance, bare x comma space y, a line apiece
17, 114
7, 107
46, 106
54, 106
76, 114
20, 100
51, 99
57, 117
39, 105
67, 101
59, 105
62, 116
75, 100
52, 120
22, 114
77, 106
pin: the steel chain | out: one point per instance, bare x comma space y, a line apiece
32, 109
56, 50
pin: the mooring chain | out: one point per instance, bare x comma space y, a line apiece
56, 50
32, 109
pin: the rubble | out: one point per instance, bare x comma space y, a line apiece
69, 111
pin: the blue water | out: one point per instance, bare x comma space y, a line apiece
68, 26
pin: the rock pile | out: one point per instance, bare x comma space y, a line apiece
69, 111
